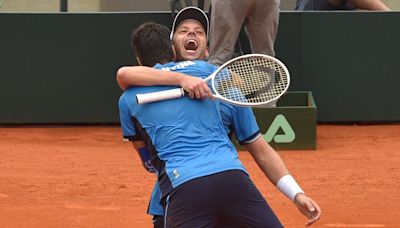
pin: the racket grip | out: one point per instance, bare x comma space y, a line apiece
159, 96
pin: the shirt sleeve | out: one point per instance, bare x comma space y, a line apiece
128, 128
242, 121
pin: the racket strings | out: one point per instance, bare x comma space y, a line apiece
251, 80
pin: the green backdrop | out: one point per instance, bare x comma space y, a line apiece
60, 68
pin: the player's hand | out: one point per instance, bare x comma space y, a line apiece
196, 87
308, 207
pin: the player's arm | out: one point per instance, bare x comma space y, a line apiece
267, 159
275, 170
130, 134
139, 147
144, 154
147, 76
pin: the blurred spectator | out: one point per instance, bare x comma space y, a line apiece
259, 17
306, 5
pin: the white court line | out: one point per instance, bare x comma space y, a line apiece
355, 225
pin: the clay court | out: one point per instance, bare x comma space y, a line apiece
87, 177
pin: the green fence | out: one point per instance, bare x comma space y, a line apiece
60, 68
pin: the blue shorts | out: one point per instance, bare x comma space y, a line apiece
228, 198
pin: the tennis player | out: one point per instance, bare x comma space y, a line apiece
197, 165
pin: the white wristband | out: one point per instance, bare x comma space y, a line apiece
288, 186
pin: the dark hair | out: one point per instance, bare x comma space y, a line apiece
152, 44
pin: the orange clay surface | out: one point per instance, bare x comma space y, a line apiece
88, 177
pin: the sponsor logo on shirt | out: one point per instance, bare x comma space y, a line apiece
180, 65
176, 173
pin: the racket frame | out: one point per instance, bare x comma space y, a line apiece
245, 104
179, 92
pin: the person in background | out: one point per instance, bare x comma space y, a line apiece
260, 19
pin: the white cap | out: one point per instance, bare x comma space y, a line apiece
191, 12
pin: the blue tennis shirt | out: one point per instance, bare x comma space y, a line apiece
238, 120
185, 137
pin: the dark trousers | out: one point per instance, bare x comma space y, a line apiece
228, 199
158, 221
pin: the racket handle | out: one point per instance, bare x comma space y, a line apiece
159, 96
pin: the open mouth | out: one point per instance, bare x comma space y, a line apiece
191, 45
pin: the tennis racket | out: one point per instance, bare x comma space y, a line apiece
248, 80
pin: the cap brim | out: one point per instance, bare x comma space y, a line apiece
193, 13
